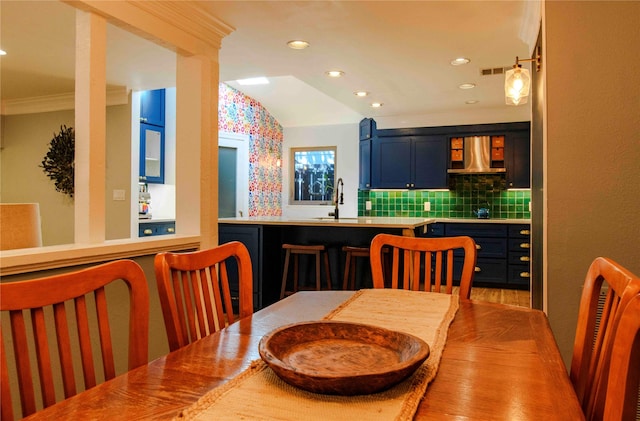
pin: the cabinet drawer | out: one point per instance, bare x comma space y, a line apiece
519, 274
491, 247
435, 230
490, 270
476, 230
519, 258
519, 231
516, 244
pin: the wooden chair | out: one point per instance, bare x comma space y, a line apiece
624, 374
196, 294
68, 316
608, 287
423, 264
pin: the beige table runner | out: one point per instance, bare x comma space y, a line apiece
258, 394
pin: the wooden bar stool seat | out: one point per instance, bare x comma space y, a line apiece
296, 250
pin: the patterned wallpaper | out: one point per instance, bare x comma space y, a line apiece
238, 113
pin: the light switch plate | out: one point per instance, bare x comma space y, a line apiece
367, 205
118, 195
427, 206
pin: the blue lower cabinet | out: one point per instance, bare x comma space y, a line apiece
503, 253
148, 229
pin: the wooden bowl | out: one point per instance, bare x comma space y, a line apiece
340, 358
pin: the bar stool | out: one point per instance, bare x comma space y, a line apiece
296, 250
352, 253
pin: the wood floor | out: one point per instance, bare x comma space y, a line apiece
503, 296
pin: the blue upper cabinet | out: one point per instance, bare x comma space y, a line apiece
152, 140
151, 153
409, 162
518, 159
367, 132
152, 107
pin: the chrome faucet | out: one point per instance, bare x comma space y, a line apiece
336, 211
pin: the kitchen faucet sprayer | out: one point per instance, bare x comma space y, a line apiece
336, 211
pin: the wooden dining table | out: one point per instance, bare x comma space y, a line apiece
500, 362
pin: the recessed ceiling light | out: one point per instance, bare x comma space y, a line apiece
3, 53
334, 73
376, 104
261, 80
471, 101
459, 61
467, 86
298, 44
361, 93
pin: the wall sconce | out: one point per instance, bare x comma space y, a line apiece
517, 81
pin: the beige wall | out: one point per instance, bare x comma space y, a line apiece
26, 140
593, 147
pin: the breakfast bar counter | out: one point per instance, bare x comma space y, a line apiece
265, 235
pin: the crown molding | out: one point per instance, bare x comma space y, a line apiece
183, 26
57, 102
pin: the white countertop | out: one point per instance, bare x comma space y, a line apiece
363, 221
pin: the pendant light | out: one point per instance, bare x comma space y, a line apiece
517, 81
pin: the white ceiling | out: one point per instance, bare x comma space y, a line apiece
399, 51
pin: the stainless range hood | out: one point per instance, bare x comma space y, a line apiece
477, 157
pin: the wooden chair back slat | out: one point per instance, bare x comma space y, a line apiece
108, 360
621, 402
195, 291
43, 356
5, 398
63, 338
427, 263
82, 321
596, 329
29, 299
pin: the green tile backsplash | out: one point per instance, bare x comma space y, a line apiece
467, 193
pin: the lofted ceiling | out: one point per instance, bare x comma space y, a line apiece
399, 51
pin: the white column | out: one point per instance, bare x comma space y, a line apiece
90, 121
196, 148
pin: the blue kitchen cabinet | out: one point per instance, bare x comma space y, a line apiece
429, 162
152, 105
519, 269
263, 244
391, 162
149, 229
367, 128
503, 252
518, 159
151, 153
152, 140
367, 132
365, 165
409, 162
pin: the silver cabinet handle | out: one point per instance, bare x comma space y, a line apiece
524, 232
525, 245
525, 275
524, 258
147, 231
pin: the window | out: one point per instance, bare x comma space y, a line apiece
313, 171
